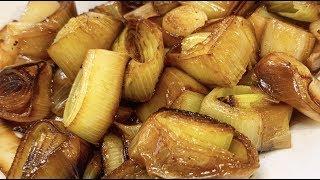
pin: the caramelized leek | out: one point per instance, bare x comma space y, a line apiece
25, 91
214, 9
48, 150
128, 131
262, 119
294, 84
183, 20
188, 101
94, 167
112, 152
61, 89
222, 58
129, 170
9, 144
95, 94
172, 83
186, 145
87, 31
143, 42
315, 29
313, 62
299, 10
165, 6
37, 11
143, 12
283, 37
113, 8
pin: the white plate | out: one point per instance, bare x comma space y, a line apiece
301, 161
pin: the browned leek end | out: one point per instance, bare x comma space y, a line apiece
113, 8
283, 37
142, 40
214, 9
221, 58
181, 144
294, 84
87, 31
183, 20
25, 91
10, 143
95, 94
188, 101
34, 35
112, 152
313, 61
275, 133
172, 83
49, 150
129, 170
94, 167
143, 12
61, 89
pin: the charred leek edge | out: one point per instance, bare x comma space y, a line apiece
87, 31
112, 152
34, 38
298, 10
129, 170
282, 37
188, 101
183, 20
95, 94
25, 91
114, 9
246, 121
61, 89
210, 63
10, 143
171, 84
48, 150
213, 9
128, 131
94, 167
143, 12
195, 140
315, 29
294, 84
143, 42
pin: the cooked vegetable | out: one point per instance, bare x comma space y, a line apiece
123, 114
143, 12
128, 131
188, 101
112, 152
9, 144
263, 120
87, 31
8, 49
38, 26
129, 170
165, 6
142, 41
214, 9
259, 19
48, 150
171, 84
112, 8
280, 36
61, 89
299, 10
185, 145
183, 20
313, 62
315, 29
95, 94
222, 58
25, 91
294, 84
94, 167
245, 8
